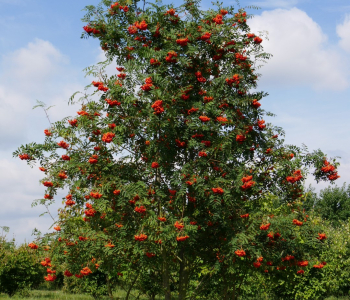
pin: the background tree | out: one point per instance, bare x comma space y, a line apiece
20, 267
332, 204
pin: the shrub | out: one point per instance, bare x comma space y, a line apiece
95, 285
20, 268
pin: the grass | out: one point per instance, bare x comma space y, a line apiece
52, 295
59, 295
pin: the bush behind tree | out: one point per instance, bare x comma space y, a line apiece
20, 268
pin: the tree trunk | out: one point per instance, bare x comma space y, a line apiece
230, 282
225, 293
183, 276
131, 286
110, 294
166, 277
238, 290
225, 288
233, 297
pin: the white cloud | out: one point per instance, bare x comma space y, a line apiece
19, 186
301, 54
33, 67
11, 106
275, 3
37, 71
343, 31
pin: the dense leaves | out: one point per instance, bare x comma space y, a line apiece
332, 204
19, 269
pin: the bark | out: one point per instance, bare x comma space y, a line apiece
233, 297
237, 291
166, 277
225, 294
229, 291
109, 289
183, 276
131, 286
225, 287
165, 266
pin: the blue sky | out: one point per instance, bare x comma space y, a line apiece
42, 57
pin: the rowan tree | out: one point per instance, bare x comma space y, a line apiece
171, 169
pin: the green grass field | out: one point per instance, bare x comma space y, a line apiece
59, 295
52, 295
